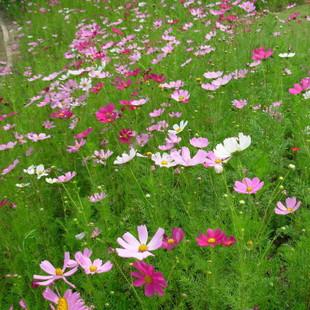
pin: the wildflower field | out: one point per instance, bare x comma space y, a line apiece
155, 155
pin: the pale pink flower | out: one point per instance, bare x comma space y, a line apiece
291, 205
156, 113
139, 249
90, 267
248, 186
199, 142
54, 274
181, 95
239, 103
96, 197
213, 74
35, 137
183, 157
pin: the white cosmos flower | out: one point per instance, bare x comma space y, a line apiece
125, 158
306, 95
41, 172
221, 152
30, 170
177, 128
287, 55
163, 160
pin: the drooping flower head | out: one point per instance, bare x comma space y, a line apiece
154, 282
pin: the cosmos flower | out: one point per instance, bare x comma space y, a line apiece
90, 267
291, 205
96, 197
261, 53
183, 157
35, 137
212, 238
107, 114
212, 160
68, 176
163, 160
248, 186
125, 158
54, 274
239, 103
181, 95
139, 249
213, 74
178, 128
69, 301
154, 282
170, 242
126, 135
199, 142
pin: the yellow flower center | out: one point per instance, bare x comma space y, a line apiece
181, 98
290, 209
178, 129
170, 241
249, 189
148, 154
59, 272
93, 268
211, 240
164, 162
148, 280
218, 161
62, 304
142, 248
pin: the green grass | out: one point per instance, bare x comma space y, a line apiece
268, 267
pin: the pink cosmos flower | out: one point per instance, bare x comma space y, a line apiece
154, 282
139, 249
62, 114
68, 176
297, 89
183, 157
291, 205
10, 167
83, 134
181, 95
76, 147
35, 137
54, 274
92, 267
228, 241
143, 139
156, 113
248, 6
70, 300
170, 243
199, 142
125, 135
261, 53
96, 197
239, 103
212, 238
213, 74
107, 114
248, 186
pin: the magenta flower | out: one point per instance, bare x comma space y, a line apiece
261, 53
199, 142
107, 114
239, 103
212, 238
228, 241
139, 249
92, 267
54, 274
83, 134
154, 282
291, 205
62, 114
125, 135
69, 301
170, 243
248, 186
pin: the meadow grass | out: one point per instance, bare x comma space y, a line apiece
267, 268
